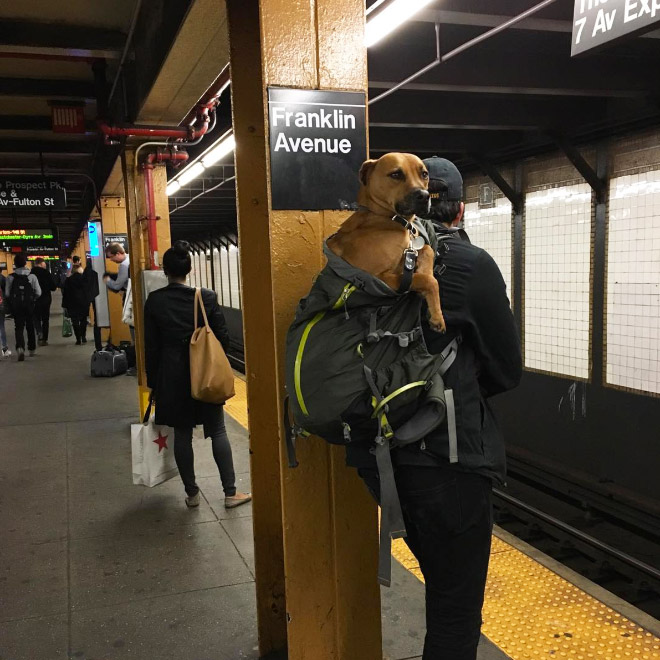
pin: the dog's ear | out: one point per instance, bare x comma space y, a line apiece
365, 171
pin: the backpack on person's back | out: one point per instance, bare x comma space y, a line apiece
21, 297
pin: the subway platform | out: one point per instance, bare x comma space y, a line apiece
94, 568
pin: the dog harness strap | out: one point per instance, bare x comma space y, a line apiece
448, 356
451, 426
409, 265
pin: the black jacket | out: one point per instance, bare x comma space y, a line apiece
74, 297
489, 361
169, 324
47, 284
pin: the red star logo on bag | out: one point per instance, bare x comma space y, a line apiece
161, 441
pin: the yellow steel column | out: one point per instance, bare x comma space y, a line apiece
323, 543
113, 219
139, 246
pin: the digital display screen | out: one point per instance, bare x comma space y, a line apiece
27, 235
94, 247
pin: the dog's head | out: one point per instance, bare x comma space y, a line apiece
395, 183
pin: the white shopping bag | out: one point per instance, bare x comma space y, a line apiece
153, 452
127, 312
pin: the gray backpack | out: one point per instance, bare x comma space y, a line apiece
358, 370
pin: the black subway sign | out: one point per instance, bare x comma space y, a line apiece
600, 22
32, 194
318, 141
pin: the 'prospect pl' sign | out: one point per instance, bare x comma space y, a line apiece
318, 141
598, 22
31, 194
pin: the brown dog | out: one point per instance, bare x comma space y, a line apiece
394, 186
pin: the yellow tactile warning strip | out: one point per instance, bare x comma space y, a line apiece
237, 405
530, 612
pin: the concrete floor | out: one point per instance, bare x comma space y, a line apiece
94, 568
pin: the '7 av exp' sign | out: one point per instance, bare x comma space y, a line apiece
32, 193
600, 22
318, 140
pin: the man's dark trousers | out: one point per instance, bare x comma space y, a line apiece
24, 320
42, 318
448, 516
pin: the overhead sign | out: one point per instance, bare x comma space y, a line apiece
29, 240
600, 22
42, 193
318, 140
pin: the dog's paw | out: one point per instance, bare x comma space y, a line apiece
438, 325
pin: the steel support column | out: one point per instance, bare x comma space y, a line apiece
314, 526
138, 246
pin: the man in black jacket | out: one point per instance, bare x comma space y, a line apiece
446, 499
43, 303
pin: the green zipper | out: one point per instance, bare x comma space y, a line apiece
348, 289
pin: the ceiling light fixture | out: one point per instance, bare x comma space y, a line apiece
190, 173
390, 18
172, 187
224, 147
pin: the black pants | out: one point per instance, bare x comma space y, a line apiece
214, 428
448, 516
24, 321
79, 327
42, 319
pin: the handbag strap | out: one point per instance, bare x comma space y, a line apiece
147, 414
199, 302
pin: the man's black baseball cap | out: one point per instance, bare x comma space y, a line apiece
445, 181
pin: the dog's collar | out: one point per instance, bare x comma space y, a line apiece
406, 224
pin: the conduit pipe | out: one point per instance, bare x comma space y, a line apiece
158, 156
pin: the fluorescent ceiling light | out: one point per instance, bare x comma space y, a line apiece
225, 147
390, 18
172, 187
191, 173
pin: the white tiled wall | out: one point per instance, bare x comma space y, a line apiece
490, 229
557, 289
633, 282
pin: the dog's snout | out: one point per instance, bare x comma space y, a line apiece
421, 195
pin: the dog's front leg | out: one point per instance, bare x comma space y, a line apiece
424, 283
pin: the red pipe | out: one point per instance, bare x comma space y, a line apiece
175, 132
211, 95
157, 156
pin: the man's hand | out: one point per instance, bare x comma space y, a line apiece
106, 278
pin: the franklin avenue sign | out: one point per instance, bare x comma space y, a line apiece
600, 22
317, 143
31, 193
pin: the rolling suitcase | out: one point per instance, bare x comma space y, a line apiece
108, 362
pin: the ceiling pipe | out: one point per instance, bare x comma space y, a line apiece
158, 156
211, 96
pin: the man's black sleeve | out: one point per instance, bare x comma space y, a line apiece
497, 340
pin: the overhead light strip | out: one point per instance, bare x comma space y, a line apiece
216, 152
390, 18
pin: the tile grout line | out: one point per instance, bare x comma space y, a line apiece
240, 554
68, 545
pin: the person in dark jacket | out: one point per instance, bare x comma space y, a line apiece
169, 325
42, 306
447, 506
76, 303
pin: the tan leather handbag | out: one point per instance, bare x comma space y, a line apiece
211, 377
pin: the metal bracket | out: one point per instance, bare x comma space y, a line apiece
598, 184
491, 171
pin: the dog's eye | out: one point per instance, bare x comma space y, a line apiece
425, 175
397, 175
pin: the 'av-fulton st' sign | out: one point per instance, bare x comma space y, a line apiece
31, 194
599, 22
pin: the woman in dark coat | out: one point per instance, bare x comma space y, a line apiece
169, 324
75, 299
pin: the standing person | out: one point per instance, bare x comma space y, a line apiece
3, 333
116, 253
42, 306
75, 300
169, 325
447, 506
21, 292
